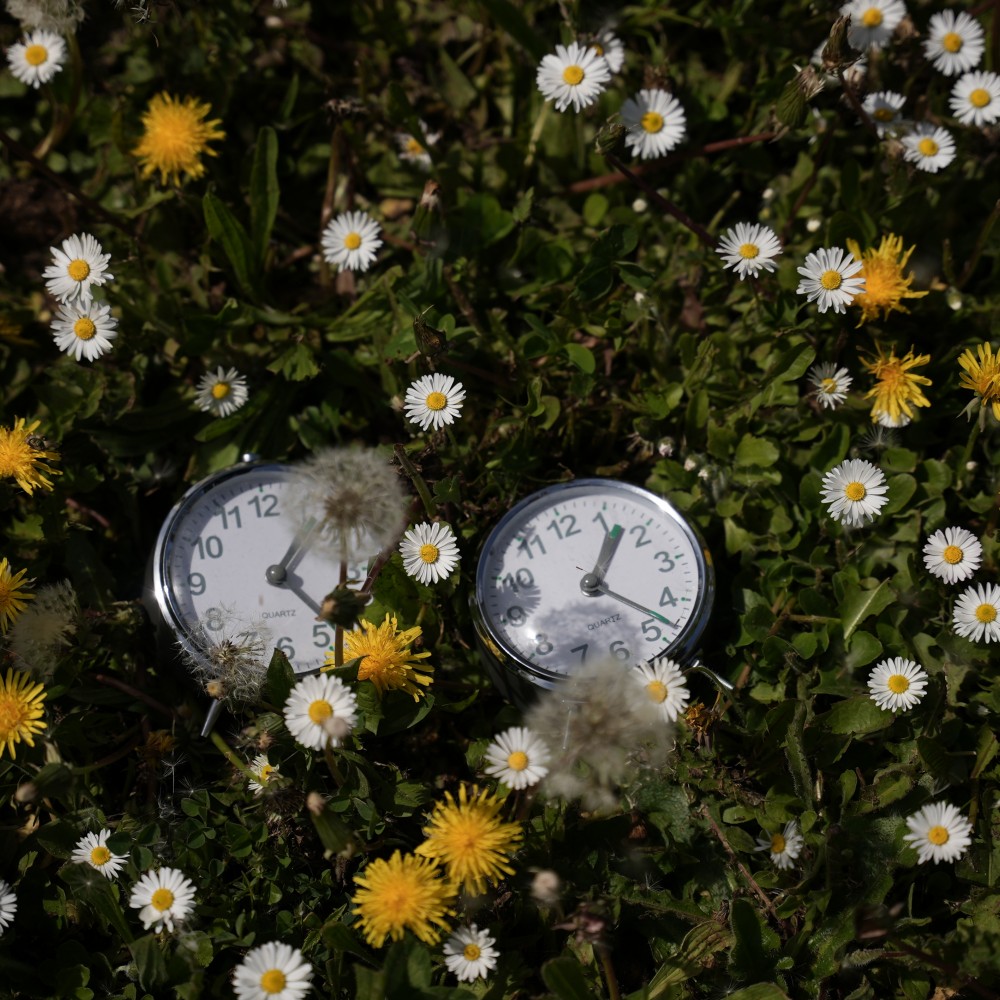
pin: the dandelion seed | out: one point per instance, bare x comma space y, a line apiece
44, 630
228, 655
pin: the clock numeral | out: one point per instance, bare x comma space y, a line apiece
667, 598
651, 630
526, 544
196, 584
668, 563
522, 578
234, 513
321, 637
582, 650
619, 650
516, 615
285, 645
642, 539
567, 529
604, 524
264, 506
213, 619
544, 646
210, 547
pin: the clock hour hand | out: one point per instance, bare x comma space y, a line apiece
602, 588
592, 580
278, 573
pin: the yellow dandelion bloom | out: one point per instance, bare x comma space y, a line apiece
20, 710
470, 839
896, 390
176, 136
12, 597
388, 662
24, 456
403, 892
885, 285
982, 376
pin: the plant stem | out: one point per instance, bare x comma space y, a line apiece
418, 480
604, 954
135, 693
227, 751
977, 250
331, 763
338, 629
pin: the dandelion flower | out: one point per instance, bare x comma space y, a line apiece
897, 684
76, 267
930, 147
434, 401
176, 136
429, 552
939, 832
828, 279
272, 971
12, 596
954, 42
469, 953
320, 709
403, 892
872, 22
8, 905
575, 75
414, 150
882, 270
162, 897
610, 46
20, 710
44, 629
885, 108
517, 757
854, 490
264, 772
982, 376
977, 613
831, 383
953, 554
24, 456
975, 98
748, 248
784, 847
655, 123
92, 849
665, 686
221, 392
38, 58
84, 331
387, 660
897, 390
350, 241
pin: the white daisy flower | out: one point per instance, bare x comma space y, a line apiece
872, 22
749, 247
939, 832
469, 953
975, 98
609, 45
575, 75
953, 554
664, 685
784, 847
76, 267
162, 897
433, 401
897, 684
38, 58
429, 552
320, 709
350, 241
828, 279
272, 971
92, 849
930, 147
954, 42
885, 108
264, 772
854, 490
831, 383
517, 757
84, 330
655, 122
977, 613
414, 150
221, 392
8, 905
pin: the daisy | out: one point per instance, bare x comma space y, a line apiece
954, 42
610, 46
885, 108
20, 710
897, 390
575, 75
78, 265
175, 137
470, 954
429, 552
854, 490
24, 456
8, 905
84, 330
930, 147
38, 58
386, 657
975, 98
665, 686
221, 392
831, 383
655, 122
953, 554
162, 897
872, 22
885, 285
319, 710
828, 279
350, 241
982, 376
433, 401
747, 248
517, 757
264, 772
897, 684
977, 612
784, 847
92, 849
272, 971
413, 149
939, 832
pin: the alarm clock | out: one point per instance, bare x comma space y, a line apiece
584, 570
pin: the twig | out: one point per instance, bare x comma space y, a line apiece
135, 693
852, 99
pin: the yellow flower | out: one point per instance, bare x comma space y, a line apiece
388, 662
404, 891
470, 839
20, 710
12, 597
176, 136
897, 390
885, 285
24, 456
982, 376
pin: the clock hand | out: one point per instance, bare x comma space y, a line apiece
294, 584
278, 573
602, 588
592, 580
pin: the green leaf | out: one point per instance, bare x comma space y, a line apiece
264, 193
296, 363
150, 962
459, 92
615, 243
565, 978
280, 678
581, 357
857, 716
756, 451
791, 107
227, 230
798, 764
510, 18
858, 605
759, 991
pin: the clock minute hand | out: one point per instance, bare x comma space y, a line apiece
277, 574
602, 588
592, 580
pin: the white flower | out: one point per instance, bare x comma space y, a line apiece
953, 554
8, 905
897, 684
350, 241
828, 279
92, 849
939, 832
831, 383
975, 98
748, 248
976, 613
885, 108
664, 685
84, 330
320, 709
854, 490
264, 771
930, 147
609, 45
161, 897
433, 401
872, 21
221, 392
784, 847
517, 757
655, 122
954, 42
272, 971
575, 75
38, 58
470, 954
414, 150
78, 265
429, 552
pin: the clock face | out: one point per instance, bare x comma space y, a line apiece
588, 570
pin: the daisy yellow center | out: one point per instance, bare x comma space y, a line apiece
872, 17
952, 554
436, 401
897, 684
652, 122
828, 385
84, 328
951, 42
220, 390
938, 835
855, 491
748, 251
162, 900
518, 760
273, 981
471, 952
413, 147
35, 55
831, 280
100, 856
979, 98
883, 114
429, 553
352, 241
657, 691
265, 773
572, 75
928, 147
319, 711
598, 48
986, 613
78, 269
777, 844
